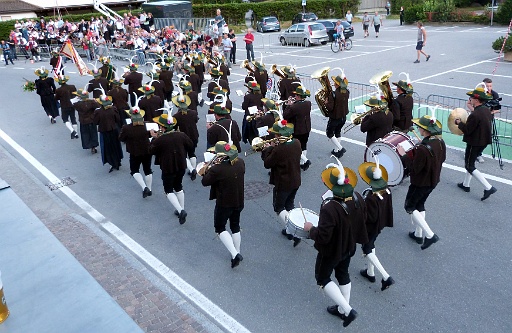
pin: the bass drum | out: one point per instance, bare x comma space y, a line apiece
387, 151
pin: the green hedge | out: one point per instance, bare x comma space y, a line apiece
285, 10
504, 13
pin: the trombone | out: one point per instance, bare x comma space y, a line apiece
357, 118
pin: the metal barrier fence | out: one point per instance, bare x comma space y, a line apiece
182, 24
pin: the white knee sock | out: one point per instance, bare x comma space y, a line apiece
303, 158
68, 125
478, 175
372, 257
345, 291
419, 231
282, 216
370, 269
237, 239
181, 198
149, 180
335, 294
138, 177
189, 165
174, 201
75, 127
337, 144
420, 221
193, 161
226, 239
467, 179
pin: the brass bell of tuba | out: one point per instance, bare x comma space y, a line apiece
276, 71
382, 80
322, 94
247, 65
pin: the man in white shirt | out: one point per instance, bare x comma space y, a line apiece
349, 17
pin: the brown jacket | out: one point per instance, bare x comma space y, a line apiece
119, 98
286, 88
136, 139
376, 126
402, 111
187, 123
85, 111
478, 127
95, 84
134, 82
284, 164
299, 114
224, 84
338, 232
216, 133
227, 183
195, 82
193, 100
200, 71
225, 72
159, 89
262, 78
338, 106
166, 76
380, 212
150, 107
171, 151
106, 118
64, 94
252, 99
426, 164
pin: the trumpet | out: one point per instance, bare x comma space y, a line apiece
258, 144
202, 168
247, 65
256, 115
356, 119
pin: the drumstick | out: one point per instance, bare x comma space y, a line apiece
302, 210
416, 134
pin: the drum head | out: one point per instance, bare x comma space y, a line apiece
297, 218
389, 158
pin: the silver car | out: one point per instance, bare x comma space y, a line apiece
306, 33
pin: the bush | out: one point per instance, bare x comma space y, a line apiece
414, 13
498, 44
504, 13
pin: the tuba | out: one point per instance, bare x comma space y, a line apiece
247, 65
212, 61
322, 94
276, 71
382, 80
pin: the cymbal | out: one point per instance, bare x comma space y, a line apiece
458, 113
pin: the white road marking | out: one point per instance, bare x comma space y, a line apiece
459, 88
189, 292
453, 70
484, 74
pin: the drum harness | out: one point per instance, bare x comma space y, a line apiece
342, 203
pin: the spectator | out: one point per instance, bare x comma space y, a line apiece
349, 17
249, 47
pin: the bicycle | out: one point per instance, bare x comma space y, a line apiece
338, 44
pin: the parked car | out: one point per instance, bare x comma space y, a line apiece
269, 23
304, 17
305, 33
208, 29
330, 25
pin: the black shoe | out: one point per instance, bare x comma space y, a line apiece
296, 241
339, 153
387, 283
73, 135
236, 261
465, 188
287, 235
364, 273
94, 150
76, 135
176, 212
146, 193
417, 62
487, 193
182, 216
193, 175
333, 309
52, 120
202, 103
418, 240
111, 169
351, 316
306, 165
429, 241
428, 57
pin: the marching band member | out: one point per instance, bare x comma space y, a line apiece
97, 83
166, 75
157, 83
119, 98
223, 129
136, 137
477, 135
186, 122
107, 118
198, 64
150, 103
220, 96
288, 84
64, 94
223, 68
170, 150
45, 88
187, 89
283, 162
379, 207
193, 78
269, 118
56, 63
338, 107
425, 160
133, 79
107, 70
225, 175
252, 98
378, 123
261, 76
216, 81
88, 129
341, 225
299, 114
402, 105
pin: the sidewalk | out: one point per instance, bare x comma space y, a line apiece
62, 274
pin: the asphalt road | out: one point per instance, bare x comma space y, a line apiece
460, 284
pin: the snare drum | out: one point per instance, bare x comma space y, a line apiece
295, 222
387, 152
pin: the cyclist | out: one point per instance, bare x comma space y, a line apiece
339, 35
